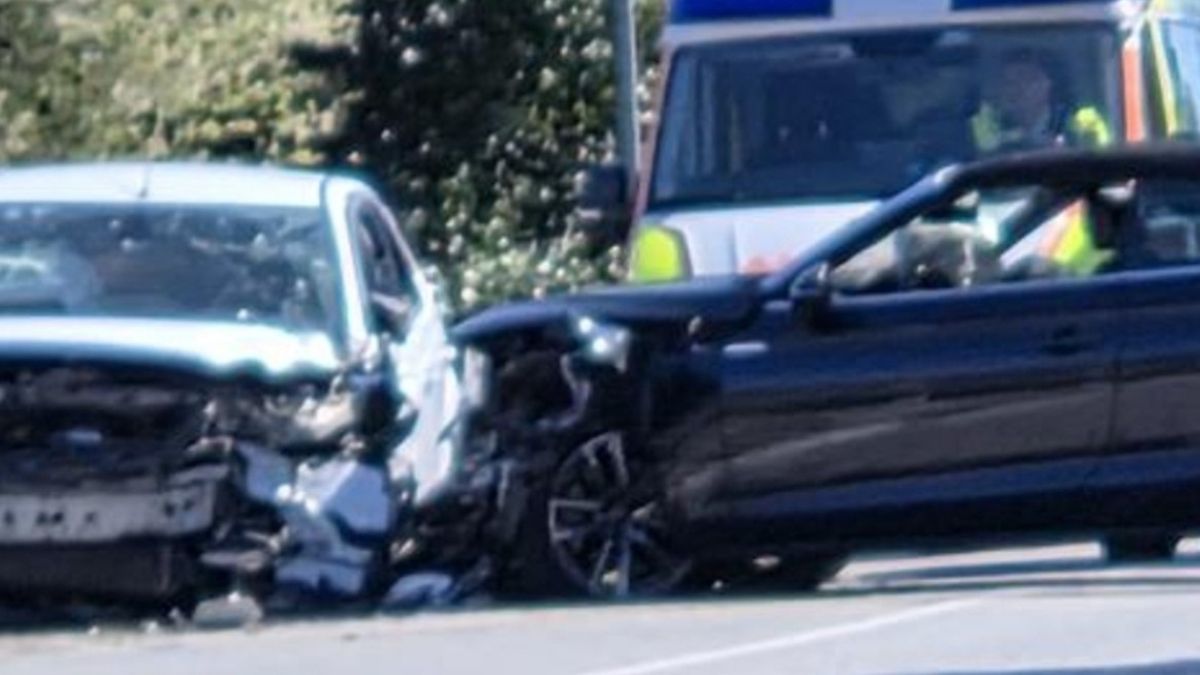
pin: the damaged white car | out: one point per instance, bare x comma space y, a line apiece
213, 378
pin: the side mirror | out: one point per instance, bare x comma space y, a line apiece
604, 200
811, 293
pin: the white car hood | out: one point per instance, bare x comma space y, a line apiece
755, 240
206, 347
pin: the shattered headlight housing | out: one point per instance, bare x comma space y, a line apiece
602, 343
476, 375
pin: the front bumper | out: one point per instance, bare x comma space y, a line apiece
129, 539
184, 504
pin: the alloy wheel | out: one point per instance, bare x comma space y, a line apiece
609, 541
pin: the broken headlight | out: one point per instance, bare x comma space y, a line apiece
602, 343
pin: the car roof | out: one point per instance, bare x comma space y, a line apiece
1178, 160
163, 183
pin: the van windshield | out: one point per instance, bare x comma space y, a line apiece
860, 118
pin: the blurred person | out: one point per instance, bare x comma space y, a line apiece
1027, 107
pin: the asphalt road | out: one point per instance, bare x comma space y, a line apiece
1051, 610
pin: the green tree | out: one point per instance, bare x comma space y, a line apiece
28, 61
104, 78
479, 115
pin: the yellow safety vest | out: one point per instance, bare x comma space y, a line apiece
1076, 250
1069, 242
1085, 127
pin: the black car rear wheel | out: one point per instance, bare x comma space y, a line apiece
1140, 547
594, 530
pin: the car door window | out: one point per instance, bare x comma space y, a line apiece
384, 266
1166, 229
984, 239
1033, 234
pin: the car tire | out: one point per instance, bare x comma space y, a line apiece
1140, 547
584, 535
808, 573
795, 574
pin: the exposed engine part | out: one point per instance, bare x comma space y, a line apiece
66, 428
233, 484
550, 397
295, 421
324, 507
581, 392
602, 343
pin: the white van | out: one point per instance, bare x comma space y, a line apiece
781, 120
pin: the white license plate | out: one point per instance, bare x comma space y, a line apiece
108, 514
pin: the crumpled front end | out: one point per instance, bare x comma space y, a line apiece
149, 485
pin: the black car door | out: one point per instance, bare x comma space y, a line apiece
1152, 477
918, 413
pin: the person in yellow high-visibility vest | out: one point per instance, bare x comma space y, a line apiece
1025, 110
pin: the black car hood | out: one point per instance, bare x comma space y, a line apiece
718, 300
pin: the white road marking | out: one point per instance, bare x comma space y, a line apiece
789, 641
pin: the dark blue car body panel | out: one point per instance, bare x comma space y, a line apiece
1045, 407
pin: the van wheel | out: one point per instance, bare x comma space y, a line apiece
590, 531
1140, 547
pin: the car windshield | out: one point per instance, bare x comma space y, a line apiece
862, 117
260, 264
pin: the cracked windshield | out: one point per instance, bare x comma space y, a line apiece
248, 264
600, 337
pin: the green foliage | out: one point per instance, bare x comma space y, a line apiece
104, 78
27, 61
475, 114
480, 114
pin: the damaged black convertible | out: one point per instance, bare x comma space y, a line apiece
938, 372
213, 379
